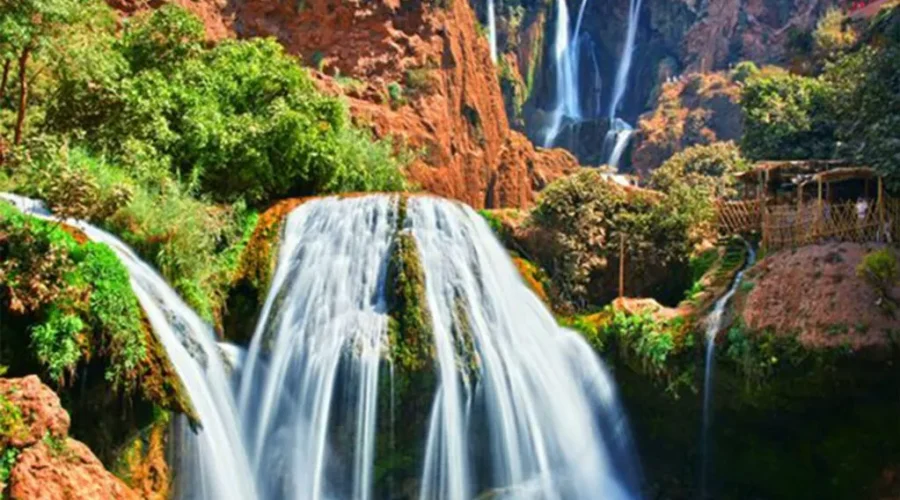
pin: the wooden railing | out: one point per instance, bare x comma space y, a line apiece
786, 226
737, 217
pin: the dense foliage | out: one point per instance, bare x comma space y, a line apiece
698, 175
72, 304
146, 129
787, 117
848, 108
582, 220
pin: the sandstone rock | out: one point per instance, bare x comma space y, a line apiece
40, 410
51, 466
68, 471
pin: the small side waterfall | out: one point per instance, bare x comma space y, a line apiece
492, 30
617, 140
713, 325
217, 465
618, 134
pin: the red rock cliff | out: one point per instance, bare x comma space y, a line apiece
418, 71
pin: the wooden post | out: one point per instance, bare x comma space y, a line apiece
881, 221
622, 265
799, 232
819, 209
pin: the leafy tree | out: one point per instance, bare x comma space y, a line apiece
578, 225
710, 168
161, 38
866, 87
787, 117
695, 177
25, 27
832, 36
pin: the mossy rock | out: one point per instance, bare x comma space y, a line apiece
250, 283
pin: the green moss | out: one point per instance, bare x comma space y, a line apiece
411, 340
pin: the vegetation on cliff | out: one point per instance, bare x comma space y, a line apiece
147, 130
847, 107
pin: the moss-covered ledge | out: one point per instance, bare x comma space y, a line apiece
250, 282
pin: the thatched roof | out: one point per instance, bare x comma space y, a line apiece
805, 171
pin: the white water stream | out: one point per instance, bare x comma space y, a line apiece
713, 325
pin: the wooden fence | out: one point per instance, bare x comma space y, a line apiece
786, 226
737, 217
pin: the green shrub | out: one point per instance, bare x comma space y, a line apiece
881, 271
420, 80
744, 70
645, 338
57, 344
832, 36
580, 221
395, 94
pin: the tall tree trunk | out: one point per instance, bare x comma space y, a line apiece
6, 65
23, 94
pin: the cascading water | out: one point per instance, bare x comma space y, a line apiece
534, 415
492, 30
313, 365
619, 135
566, 60
215, 464
713, 325
554, 427
617, 140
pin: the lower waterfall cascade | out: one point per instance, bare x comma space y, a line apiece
520, 407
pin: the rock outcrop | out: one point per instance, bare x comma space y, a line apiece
417, 71
814, 293
48, 465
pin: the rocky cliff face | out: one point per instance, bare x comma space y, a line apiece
47, 463
418, 71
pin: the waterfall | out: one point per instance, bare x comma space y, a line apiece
634, 16
566, 61
535, 415
313, 364
492, 30
620, 132
217, 466
713, 325
617, 140
554, 426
